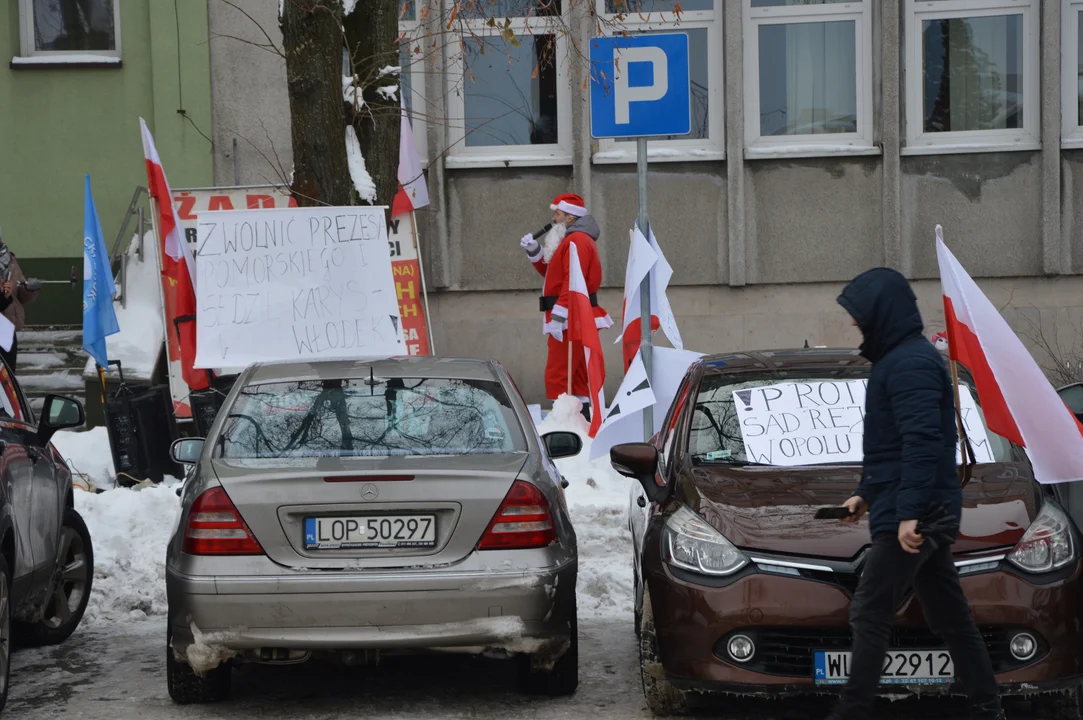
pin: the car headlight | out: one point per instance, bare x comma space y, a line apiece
1048, 543
690, 543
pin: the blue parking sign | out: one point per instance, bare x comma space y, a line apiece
640, 86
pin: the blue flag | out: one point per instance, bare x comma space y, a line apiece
99, 317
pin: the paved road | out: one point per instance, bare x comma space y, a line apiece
117, 672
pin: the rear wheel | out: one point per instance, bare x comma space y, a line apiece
662, 698
187, 687
563, 677
1067, 705
73, 576
5, 631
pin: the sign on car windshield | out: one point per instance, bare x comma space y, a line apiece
809, 422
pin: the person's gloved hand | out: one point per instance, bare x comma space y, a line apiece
32, 284
529, 244
555, 327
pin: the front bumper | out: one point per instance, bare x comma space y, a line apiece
516, 612
691, 619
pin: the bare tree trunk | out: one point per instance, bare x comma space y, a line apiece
372, 39
312, 40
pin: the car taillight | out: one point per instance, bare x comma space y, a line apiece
216, 528
522, 521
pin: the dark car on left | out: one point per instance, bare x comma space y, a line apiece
46, 559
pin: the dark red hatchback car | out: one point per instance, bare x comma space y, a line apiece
739, 589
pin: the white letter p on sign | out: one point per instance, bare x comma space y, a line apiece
623, 95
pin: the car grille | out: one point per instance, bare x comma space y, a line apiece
789, 651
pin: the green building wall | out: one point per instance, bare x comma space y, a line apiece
59, 122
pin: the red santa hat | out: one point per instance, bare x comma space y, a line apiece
569, 203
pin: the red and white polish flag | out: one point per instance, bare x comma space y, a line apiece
178, 266
1017, 400
413, 192
582, 329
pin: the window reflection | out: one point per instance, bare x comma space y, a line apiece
358, 418
973, 73
511, 91
808, 78
74, 25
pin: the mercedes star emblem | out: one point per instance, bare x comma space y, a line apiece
369, 491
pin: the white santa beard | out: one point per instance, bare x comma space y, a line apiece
552, 241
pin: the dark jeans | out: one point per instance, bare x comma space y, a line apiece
10, 355
889, 572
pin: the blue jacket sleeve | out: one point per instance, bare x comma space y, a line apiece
915, 394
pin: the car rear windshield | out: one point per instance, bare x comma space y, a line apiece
370, 417
802, 420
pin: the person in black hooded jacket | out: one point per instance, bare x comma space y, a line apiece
908, 476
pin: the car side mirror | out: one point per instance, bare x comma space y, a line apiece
639, 461
186, 451
561, 444
59, 413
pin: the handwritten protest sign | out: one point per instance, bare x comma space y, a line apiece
295, 284
821, 422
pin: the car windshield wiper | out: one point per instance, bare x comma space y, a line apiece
702, 460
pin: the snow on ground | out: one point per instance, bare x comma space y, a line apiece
131, 527
598, 501
129, 530
58, 380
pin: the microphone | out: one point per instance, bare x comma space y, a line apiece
544, 230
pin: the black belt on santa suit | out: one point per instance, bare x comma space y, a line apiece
548, 302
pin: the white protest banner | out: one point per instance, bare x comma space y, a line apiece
295, 284
822, 422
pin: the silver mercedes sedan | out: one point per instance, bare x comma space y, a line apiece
352, 509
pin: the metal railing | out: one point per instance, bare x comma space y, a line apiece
119, 251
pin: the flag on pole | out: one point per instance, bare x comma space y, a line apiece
582, 329
413, 192
178, 268
645, 257
99, 316
1017, 400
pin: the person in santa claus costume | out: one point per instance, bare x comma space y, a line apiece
571, 224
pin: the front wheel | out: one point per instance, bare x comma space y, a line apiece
73, 576
663, 699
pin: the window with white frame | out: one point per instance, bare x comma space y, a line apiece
1072, 53
414, 58
698, 19
972, 75
808, 77
66, 31
509, 98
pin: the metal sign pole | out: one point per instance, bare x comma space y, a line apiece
645, 286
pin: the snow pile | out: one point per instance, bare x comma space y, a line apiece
129, 530
140, 340
348, 6
388, 92
366, 188
351, 93
598, 501
87, 453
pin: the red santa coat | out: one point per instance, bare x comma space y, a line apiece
555, 291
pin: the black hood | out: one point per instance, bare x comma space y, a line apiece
885, 308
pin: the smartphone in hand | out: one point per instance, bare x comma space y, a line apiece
833, 513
